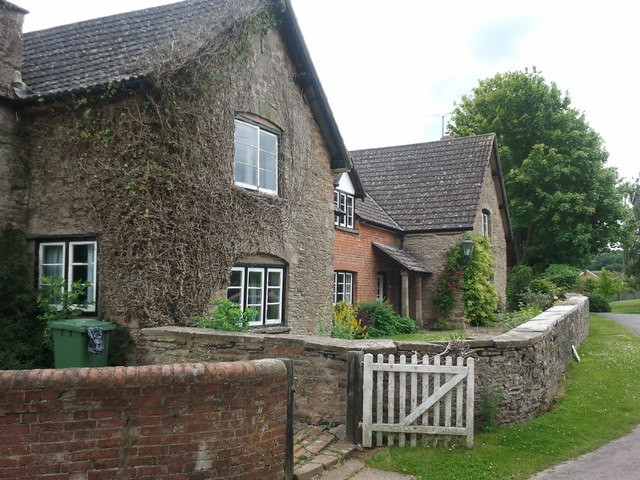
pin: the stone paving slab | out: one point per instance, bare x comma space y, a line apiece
357, 470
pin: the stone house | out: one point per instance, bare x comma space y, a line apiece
420, 200
170, 155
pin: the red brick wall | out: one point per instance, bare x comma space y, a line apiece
354, 252
165, 422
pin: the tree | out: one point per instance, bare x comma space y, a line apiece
632, 241
565, 205
608, 284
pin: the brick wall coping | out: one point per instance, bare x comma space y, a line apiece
147, 375
529, 333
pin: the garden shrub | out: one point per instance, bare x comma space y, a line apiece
346, 323
540, 285
598, 303
564, 276
541, 300
511, 320
518, 279
228, 316
23, 343
383, 321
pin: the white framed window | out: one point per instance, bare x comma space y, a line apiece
71, 261
256, 157
344, 205
260, 288
342, 287
486, 223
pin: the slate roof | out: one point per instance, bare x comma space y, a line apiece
110, 49
431, 186
403, 258
369, 211
128, 46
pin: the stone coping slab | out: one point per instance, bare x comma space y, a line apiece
526, 334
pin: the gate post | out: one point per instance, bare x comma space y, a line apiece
354, 396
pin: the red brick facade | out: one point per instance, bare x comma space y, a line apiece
353, 251
162, 422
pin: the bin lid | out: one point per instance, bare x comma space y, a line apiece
80, 324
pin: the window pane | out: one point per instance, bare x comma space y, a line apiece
257, 319
246, 154
246, 174
246, 133
236, 278
268, 161
274, 278
52, 271
81, 253
268, 180
80, 273
273, 312
273, 295
235, 295
255, 279
52, 254
268, 142
254, 297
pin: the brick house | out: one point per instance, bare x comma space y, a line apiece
420, 200
170, 155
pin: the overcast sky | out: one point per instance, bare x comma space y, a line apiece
392, 70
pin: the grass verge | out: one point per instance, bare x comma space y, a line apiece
601, 403
625, 306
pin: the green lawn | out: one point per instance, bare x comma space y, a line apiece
625, 306
601, 403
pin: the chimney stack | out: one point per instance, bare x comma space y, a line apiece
11, 19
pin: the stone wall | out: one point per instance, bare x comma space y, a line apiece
164, 422
524, 366
430, 248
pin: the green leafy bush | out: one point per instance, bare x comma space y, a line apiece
58, 303
564, 276
511, 320
383, 321
598, 303
346, 323
23, 343
518, 279
540, 285
541, 300
228, 316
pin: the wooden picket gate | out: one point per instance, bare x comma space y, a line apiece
442, 389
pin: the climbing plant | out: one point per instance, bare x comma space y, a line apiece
473, 278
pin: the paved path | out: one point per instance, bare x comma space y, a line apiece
620, 459
628, 320
357, 470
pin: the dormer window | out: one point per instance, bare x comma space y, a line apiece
343, 203
256, 157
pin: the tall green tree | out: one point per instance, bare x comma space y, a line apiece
631, 244
565, 204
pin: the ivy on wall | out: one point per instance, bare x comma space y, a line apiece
474, 279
